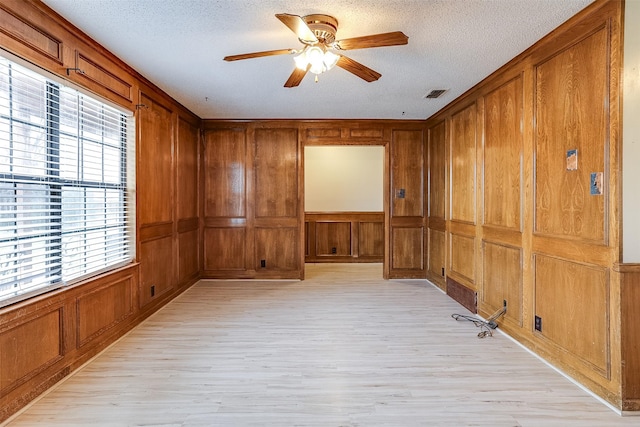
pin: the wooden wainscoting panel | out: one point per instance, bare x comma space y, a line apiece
155, 231
225, 248
188, 255
30, 347
102, 308
187, 170
502, 280
572, 94
573, 302
357, 236
278, 247
333, 238
436, 262
366, 133
407, 245
332, 133
156, 268
437, 170
630, 334
407, 173
225, 173
371, 239
309, 238
503, 115
276, 173
154, 171
97, 74
30, 35
462, 258
462, 187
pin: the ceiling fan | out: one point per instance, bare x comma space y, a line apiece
317, 33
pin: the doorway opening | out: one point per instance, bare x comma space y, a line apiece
344, 204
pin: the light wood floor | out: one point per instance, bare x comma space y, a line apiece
342, 348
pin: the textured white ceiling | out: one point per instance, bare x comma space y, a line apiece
179, 45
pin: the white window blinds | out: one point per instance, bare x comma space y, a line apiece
65, 206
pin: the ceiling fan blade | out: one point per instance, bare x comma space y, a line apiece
298, 26
376, 40
258, 54
358, 69
296, 77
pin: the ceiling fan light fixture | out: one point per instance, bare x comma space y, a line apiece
317, 58
301, 59
330, 59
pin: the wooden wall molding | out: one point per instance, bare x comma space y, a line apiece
101, 76
30, 35
520, 225
356, 236
74, 323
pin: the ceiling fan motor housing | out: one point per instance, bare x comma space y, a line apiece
323, 26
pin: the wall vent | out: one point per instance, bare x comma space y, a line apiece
435, 93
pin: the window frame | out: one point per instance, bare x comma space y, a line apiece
55, 183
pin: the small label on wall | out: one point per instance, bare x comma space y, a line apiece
572, 160
596, 183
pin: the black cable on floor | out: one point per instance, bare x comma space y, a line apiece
486, 326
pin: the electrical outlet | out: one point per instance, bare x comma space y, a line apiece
401, 193
263, 263
504, 303
153, 290
334, 250
538, 323
442, 271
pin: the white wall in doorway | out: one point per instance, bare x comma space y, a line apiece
343, 178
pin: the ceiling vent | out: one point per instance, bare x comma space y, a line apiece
435, 93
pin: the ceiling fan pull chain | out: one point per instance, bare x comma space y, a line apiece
316, 78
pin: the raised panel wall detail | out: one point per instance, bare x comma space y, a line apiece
503, 155
154, 171
276, 172
30, 35
188, 265
371, 239
437, 170
502, 279
571, 114
156, 268
278, 247
573, 301
29, 347
225, 248
407, 163
407, 244
102, 77
436, 253
103, 308
225, 164
462, 256
357, 236
187, 170
463, 165
331, 235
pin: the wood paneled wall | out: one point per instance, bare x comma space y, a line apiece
522, 224
344, 236
45, 338
253, 197
252, 201
407, 219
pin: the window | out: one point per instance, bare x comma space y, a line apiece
65, 207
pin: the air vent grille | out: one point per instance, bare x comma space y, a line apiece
435, 93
